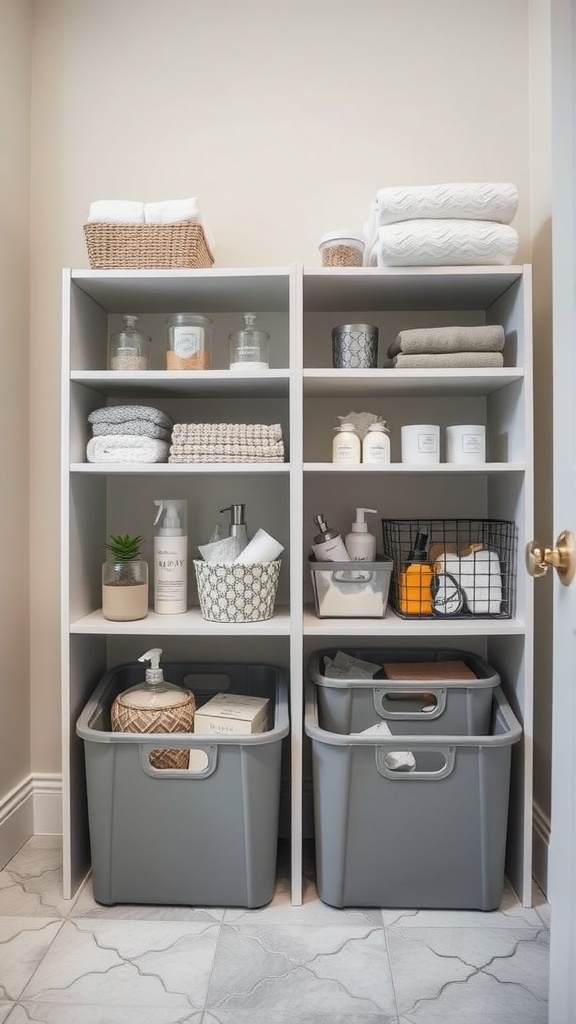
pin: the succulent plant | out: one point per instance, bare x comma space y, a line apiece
125, 560
125, 548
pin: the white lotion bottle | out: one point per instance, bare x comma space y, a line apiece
376, 445
328, 545
361, 545
170, 557
346, 446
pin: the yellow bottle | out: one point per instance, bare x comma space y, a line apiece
414, 593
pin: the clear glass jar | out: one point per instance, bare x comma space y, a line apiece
249, 348
128, 348
124, 589
189, 342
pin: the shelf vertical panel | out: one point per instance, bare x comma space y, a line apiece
296, 592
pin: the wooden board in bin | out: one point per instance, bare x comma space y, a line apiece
428, 670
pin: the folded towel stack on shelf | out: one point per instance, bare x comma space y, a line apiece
448, 347
129, 433
460, 224
227, 442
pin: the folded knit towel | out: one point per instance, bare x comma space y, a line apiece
141, 427
231, 451
443, 243
447, 359
129, 413
448, 339
227, 433
126, 448
225, 458
472, 200
116, 211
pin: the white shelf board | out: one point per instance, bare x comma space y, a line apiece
219, 290
186, 383
178, 468
398, 288
403, 467
322, 383
393, 625
190, 623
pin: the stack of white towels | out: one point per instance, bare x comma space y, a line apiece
129, 433
461, 224
168, 211
441, 347
227, 442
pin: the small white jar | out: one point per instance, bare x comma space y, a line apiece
346, 447
421, 444
376, 445
466, 444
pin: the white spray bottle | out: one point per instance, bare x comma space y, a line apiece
361, 545
170, 557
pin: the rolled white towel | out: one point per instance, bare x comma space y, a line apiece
116, 211
126, 448
173, 211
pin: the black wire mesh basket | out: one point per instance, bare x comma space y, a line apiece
456, 568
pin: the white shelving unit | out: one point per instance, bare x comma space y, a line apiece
298, 307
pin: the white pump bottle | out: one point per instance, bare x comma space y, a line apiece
361, 545
170, 558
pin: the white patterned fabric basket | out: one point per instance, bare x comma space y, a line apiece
237, 593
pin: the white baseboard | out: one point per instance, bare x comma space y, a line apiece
32, 807
540, 847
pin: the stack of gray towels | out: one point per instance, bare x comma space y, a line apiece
129, 433
445, 347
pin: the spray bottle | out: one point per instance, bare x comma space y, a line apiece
170, 557
361, 545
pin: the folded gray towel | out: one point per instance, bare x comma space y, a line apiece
447, 359
449, 339
125, 413
144, 428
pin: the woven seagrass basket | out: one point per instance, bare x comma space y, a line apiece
172, 718
147, 246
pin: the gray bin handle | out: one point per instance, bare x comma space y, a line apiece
145, 749
342, 576
380, 694
449, 754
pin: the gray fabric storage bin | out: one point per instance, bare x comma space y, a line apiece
456, 706
434, 838
185, 837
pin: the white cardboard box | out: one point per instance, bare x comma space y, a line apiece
232, 713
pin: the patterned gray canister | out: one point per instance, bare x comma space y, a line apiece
355, 347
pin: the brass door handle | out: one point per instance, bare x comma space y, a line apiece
562, 557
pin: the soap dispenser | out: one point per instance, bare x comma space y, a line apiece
155, 705
249, 348
238, 528
361, 545
328, 545
128, 348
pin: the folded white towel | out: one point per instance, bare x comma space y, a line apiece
126, 448
472, 200
116, 211
173, 211
443, 243
479, 575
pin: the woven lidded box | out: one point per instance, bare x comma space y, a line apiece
147, 246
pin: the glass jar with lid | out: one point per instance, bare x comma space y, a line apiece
189, 342
128, 348
249, 347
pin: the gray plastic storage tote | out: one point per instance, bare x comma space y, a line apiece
417, 706
206, 836
434, 837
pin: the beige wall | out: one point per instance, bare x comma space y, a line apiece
15, 48
283, 117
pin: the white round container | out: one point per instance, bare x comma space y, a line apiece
376, 445
346, 446
466, 443
342, 249
421, 443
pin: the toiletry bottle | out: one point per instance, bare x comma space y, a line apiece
155, 705
128, 348
249, 347
346, 447
170, 557
376, 444
415, 590
238, 526
361, 545
328, 545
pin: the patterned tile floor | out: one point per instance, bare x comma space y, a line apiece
81, 963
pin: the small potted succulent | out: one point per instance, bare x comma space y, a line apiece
124, 579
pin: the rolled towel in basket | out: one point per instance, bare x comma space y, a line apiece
435, 340
472, 200
126, 448
116, 211
445, 243
173, 211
